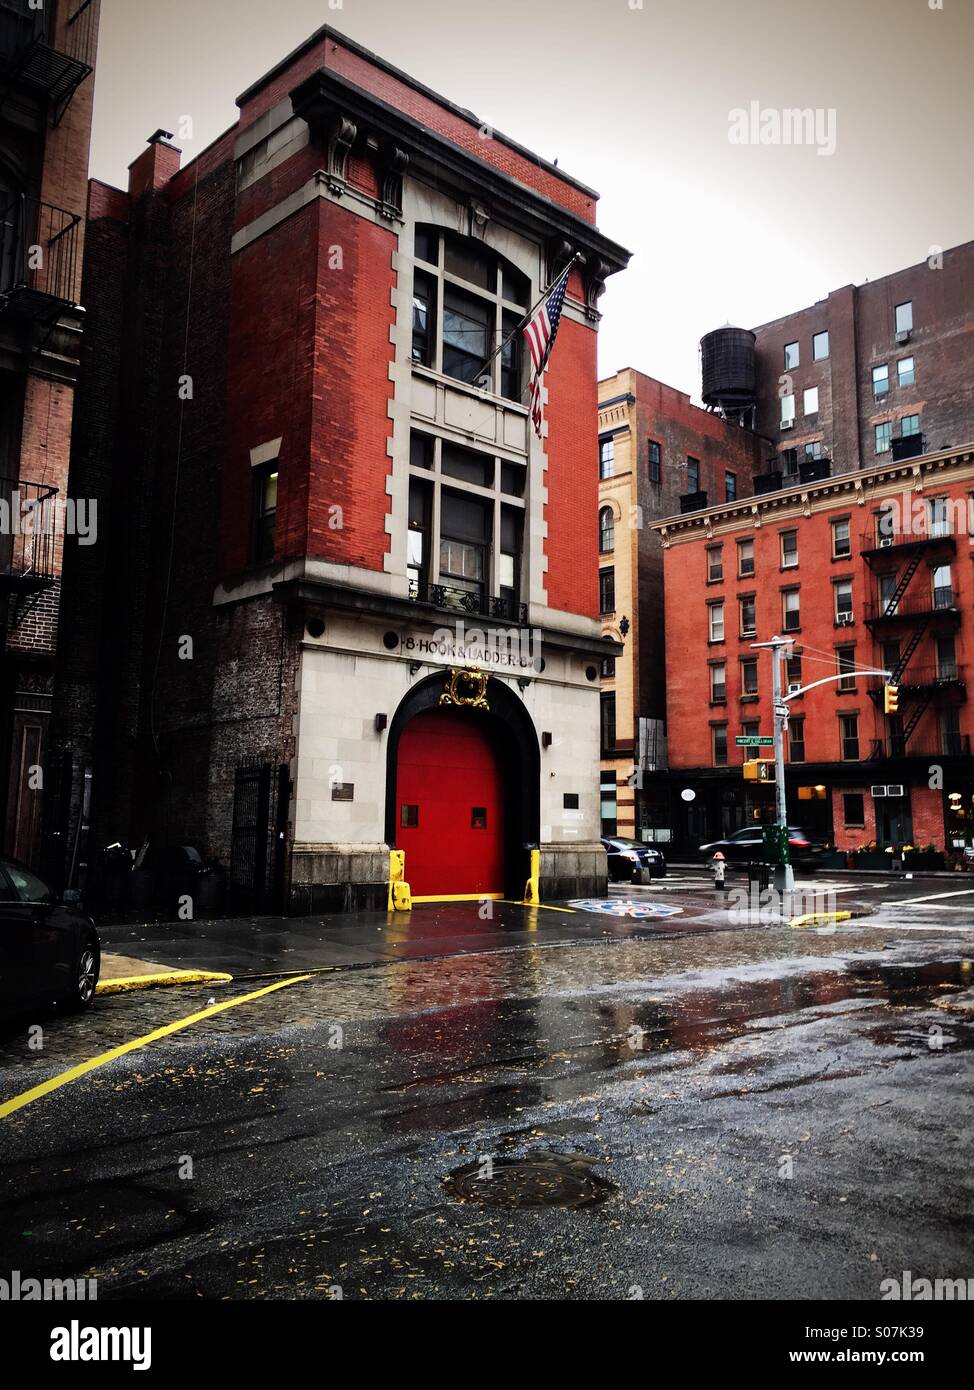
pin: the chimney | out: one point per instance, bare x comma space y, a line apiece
155, 166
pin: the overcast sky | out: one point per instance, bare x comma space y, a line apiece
635, 102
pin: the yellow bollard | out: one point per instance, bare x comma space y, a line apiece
400, 898
532, 895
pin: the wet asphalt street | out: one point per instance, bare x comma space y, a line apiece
698, 1108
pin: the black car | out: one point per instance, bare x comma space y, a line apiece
630, 861
49, 948
804, 850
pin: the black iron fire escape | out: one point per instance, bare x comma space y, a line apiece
31, 62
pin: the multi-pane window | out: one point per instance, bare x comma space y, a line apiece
719, 744
745, 558
813, 450
749, 619
881, 380
654, 461
793, 670
791, 356
849, 737
909, 425
904, 317
853, 809
791, 610
843, 598
820, 346
946, 658
715, 562
607, 530
796, 738
905, 374
749, 675
943, 587
952, 740
718, 683
788, 410
607, 457
789, 549
841, 538
938, 516
715, 622
608, 722
608, 667
607, 590
810, 401
608, 803
886, 585
467, 301
730, 487
693, 474
884, 435
264, 512
846, 662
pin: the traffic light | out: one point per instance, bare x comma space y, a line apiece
891, 699
759, 770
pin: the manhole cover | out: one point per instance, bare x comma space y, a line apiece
625, 907
534, 1180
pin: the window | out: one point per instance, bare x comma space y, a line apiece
463, 545
909, 425
264, 513
905, 375
417, 537
885, 519
745, 558
607, 530
607, 797
841, 538
843, 598
946, 658
788, 410
853, 809
904, 317
791, 356
789, 549
846, 662
715, 562
749, 620
884, 433
28, 887
749, 675
607, 456
814, 449
880, 380
730, 487
943, 587
654, 461
569, 801
810, 401
849, 737
483, 300
938, 517
608, 722
693, 474
788, 459
719, 744
796, 739
718, 683
953, 742
607, 590
793, 670
408, 816
820, 346
715, 612
886, 584
791, 610
608, 667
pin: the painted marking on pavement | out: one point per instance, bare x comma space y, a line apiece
930, 897
46, 1087
124, 984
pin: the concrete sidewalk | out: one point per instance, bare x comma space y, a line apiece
122, 974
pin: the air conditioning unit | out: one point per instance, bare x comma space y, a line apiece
877, 791
885, 542
844, 620
903, 336
894, 789
787, 424
793, 687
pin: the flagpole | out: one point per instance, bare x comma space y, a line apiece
517, 329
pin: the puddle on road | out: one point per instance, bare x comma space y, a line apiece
535, 1179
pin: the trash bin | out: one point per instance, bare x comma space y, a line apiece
758, 875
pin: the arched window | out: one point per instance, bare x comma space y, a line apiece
607, 531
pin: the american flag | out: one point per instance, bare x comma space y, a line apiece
540, 333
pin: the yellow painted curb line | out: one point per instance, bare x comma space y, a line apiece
46, 1087
124, 983
811, 918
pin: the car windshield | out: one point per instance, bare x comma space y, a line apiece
29, 887
628, 844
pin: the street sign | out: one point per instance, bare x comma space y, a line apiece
754, 741
781, 711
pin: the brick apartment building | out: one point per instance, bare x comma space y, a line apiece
658, 453
871, 568
873, 374
323, 509
47, 58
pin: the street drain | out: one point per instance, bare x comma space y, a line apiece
534, 1180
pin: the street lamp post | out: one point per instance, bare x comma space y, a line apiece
784, 873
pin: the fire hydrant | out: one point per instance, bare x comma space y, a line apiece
719, 866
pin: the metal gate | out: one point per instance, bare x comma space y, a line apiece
249, 837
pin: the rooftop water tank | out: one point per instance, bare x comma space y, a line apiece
728, 368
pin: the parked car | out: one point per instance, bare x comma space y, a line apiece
630, 861
49, 948
805, 850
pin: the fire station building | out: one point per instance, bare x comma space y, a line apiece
348, 597
871, 569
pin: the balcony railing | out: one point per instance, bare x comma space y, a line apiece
39, 257
936, 602
948, 745
940, 532
946, 676
28, 536
29, 58
471, 601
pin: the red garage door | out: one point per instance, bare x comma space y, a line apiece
449, 805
